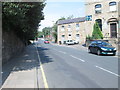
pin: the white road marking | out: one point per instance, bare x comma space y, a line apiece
62, 52
77, 58
108, 71
55, 49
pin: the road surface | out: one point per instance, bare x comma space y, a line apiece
66, 67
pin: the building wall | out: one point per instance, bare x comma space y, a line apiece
119, 17
119, 27
72, 31
104, 16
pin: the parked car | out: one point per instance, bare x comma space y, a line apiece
76, 42
69, 42
101, 47
46, 41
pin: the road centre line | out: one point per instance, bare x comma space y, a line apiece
107, 71
77, 58
42, 70
62, 52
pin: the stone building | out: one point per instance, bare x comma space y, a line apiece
71, 29
105, 12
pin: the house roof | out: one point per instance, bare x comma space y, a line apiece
75, 20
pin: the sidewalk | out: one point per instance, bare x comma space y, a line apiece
23, 71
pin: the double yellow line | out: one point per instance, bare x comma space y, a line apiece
42, 71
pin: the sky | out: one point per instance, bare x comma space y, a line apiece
55, 10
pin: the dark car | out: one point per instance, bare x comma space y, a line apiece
46, 42
101, 47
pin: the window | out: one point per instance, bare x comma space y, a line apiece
89, 18
69, 34
119, 24
62, 28
63, 36
77, 26
77, 35
113, 6
69, 27
98, 8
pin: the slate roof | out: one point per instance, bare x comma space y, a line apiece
75, 20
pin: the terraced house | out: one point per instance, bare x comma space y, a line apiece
105, 12
71, 29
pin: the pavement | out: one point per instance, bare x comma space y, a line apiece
23, 71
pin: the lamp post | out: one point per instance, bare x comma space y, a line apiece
52, 31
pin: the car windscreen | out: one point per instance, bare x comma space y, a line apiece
104, 44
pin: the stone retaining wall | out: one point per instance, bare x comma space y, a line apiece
11, 46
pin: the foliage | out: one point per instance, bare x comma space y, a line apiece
46, 31
40, 34
89, 37
70, 17
62, 18
55, 32
23, 18
97, 34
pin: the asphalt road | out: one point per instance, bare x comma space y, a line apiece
66, 67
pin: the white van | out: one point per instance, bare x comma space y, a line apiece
69, 42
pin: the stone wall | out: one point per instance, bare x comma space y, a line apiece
11, 46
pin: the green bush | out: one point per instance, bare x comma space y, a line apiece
89, 37
97, 34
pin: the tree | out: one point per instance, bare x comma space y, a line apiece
55, 32
46, 31
40, 34
22, 18
70, 17
89, 37
62, 18
97, 34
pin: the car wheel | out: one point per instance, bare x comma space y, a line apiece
98, 52
114, 54
89, 51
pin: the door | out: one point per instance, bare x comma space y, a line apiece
63, 39
113, 29
77, 37
92, 47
